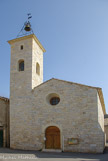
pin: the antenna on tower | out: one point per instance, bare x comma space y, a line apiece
26, 29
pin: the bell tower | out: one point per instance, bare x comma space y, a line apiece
26, 61
26, 73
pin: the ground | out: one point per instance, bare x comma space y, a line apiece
21, 155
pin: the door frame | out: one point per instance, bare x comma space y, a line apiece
43, 134
49, 133
4, 138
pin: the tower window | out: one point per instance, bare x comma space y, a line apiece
21, 65
38, 68
21, 47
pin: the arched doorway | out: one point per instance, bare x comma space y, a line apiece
52, 135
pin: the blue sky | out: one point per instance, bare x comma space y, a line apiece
73, 32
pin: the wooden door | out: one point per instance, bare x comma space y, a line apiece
1, 138
52, 135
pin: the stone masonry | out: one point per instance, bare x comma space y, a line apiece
4, 120
79, 114
106, 126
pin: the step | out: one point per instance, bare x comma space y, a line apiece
52, 150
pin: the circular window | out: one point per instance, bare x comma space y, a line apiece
54, 100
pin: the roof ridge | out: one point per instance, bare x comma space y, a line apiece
67, 82
77, 83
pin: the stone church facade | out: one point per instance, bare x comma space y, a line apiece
55, 114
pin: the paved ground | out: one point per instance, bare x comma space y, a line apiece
20, 155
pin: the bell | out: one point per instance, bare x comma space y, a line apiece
27, 27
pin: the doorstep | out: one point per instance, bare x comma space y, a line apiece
52, 150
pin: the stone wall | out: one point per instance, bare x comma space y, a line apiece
77, 116
106, 132
37, 57
106, 126
21, 84
4, 120
101, 133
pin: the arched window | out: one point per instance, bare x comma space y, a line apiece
38, 68
21, 47
21, 65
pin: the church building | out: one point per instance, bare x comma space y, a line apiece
53, 115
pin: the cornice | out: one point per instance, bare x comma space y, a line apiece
27, 37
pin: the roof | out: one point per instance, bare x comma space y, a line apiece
4, 99
99, 90
27, 37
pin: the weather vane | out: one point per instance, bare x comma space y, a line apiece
26, 29
29, 16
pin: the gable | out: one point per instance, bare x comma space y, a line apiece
54, 82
